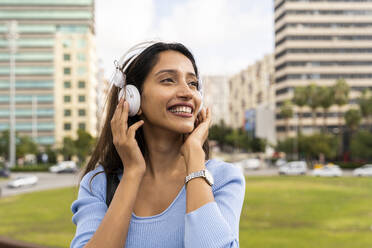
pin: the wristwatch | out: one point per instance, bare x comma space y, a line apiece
202, 173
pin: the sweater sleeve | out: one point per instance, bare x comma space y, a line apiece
216, 224
89, 208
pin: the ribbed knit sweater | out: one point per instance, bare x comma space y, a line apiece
215, 224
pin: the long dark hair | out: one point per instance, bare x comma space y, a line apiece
105, 152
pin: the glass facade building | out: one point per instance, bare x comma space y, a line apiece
45, 27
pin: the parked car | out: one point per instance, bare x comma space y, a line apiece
4, 172
64, 167
328, 171
365, 170
23, 181
280, 162
251, 164
293, 168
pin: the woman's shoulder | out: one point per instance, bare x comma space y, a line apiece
94, 179
224, 172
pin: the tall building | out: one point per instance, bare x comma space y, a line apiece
55, 68
251, 88
321, 41
216, 96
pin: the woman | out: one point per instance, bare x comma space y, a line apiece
166, 196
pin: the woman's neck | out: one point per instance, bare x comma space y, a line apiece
164, 152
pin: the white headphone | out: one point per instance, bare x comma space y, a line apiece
132, 95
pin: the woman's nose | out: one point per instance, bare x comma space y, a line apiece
184, 91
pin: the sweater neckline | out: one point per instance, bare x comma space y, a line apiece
158, 216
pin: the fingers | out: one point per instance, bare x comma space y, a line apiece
132, 129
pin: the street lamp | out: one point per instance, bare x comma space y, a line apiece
12, 37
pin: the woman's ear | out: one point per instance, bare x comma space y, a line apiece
139, 111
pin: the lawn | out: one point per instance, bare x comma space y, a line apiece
280, 212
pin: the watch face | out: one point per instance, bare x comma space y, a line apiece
209, 177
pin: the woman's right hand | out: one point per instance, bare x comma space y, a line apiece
124, 139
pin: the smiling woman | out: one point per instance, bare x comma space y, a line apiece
149, 182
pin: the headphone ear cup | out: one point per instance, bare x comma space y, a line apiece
133, 97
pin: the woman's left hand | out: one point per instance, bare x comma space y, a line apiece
199, 135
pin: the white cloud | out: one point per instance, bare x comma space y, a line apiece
225, 35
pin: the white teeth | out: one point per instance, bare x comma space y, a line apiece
181, 109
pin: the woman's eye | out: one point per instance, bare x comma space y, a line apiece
167, 80
195, 84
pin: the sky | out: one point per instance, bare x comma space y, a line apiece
225, 36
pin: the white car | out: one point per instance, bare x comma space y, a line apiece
64, 167
293, 168
365, 170
23, 181
251, 164
328, 171
280, 162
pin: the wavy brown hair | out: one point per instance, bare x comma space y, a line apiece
105, 153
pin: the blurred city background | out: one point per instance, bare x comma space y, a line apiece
289, 83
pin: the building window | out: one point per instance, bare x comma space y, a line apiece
81, 57
81, 84
67, 98
82, 125
81, 98
81, 112
66, 43
82, 70
66, 57
67, 126
67, 84
82, 43
67, 71
67, 112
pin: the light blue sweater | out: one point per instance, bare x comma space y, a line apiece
215, 224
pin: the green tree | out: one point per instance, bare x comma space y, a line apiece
314, 100
326, 101
68, 148
25, 145
341, 97
286, 112
4, 144
52, 154
300, 100
352, 119
83, 144
365, 106
219, 133
361, 144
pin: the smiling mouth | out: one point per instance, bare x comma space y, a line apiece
181, 111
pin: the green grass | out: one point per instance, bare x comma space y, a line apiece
41, 217
307, 212
279, 212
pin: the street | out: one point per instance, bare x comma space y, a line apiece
46, 181
51, 181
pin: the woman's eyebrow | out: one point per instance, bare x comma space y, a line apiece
173, 72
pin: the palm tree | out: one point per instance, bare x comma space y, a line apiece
365, 106
300, 100
326, 101
341, 97
286, 112
352, 119
313, 97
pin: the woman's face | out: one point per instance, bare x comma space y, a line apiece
170, 98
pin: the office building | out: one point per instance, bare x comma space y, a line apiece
321, 41
55, 67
